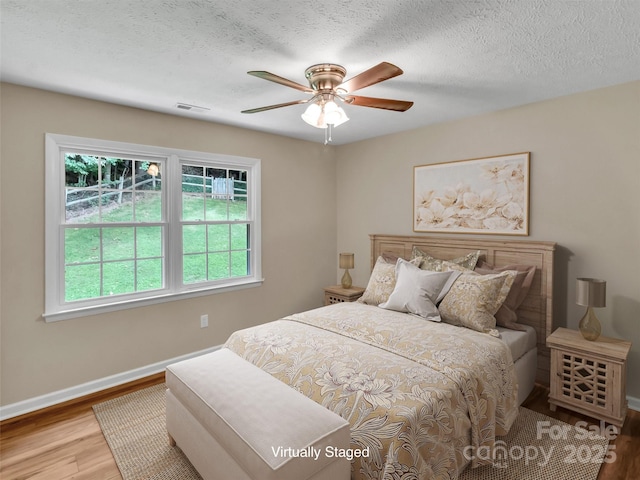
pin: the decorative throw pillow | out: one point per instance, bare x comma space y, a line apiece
473, 300
506, 315
381, 283
418, 291
428, 262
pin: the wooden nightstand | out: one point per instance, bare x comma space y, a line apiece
589, 377
337, 294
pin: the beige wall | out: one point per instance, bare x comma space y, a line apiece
585, 192
585, 195
298, 217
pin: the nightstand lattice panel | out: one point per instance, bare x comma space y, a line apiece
331, 299
584, 380
337, 294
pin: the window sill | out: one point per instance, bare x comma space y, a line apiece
142, 302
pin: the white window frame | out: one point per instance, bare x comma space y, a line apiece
171, 160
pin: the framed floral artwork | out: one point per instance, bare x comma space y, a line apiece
481, 195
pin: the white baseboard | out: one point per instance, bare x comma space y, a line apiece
54, 398
49, 399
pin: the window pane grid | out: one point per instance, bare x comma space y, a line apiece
114, 229
210, 250
203, 264
107, 271
92, 196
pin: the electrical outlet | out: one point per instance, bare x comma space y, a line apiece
204, 321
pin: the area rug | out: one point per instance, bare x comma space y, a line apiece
135, 430
537, 448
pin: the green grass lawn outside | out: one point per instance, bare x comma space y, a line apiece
131, 257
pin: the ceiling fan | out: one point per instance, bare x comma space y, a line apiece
326, 84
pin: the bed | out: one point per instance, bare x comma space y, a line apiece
420, 396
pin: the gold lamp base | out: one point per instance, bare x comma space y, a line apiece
346, 279
590, 325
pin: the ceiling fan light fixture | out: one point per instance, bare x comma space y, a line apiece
320, 115
333, 114
313, 115
326, 82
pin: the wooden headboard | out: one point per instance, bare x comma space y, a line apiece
537, 308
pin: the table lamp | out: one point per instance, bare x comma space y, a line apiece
590, 293
346, 262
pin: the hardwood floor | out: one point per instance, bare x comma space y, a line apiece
62, 442
627, 443
65, 442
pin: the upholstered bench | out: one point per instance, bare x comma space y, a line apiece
234, 421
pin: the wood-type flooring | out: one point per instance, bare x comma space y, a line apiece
65, 442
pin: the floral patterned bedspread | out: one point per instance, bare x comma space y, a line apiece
415, 392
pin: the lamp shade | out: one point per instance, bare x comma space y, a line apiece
333, 114
346, 260
314, 116
591, 292
321, 115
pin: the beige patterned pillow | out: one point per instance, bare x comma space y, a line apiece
506, 316
381, 283
474, 299
428, 262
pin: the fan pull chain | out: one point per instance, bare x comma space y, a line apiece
327, 139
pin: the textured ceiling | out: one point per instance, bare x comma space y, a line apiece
460, 58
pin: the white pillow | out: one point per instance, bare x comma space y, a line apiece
419, 291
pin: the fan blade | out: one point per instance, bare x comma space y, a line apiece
271, 107
379, 73
384, 103
282, 81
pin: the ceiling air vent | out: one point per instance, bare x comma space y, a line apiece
191, 108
